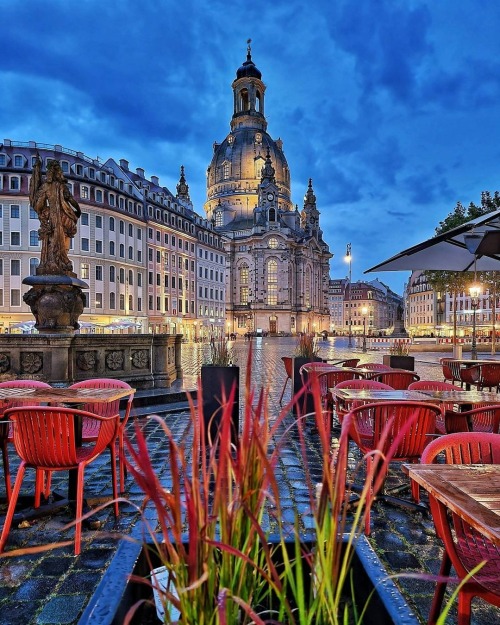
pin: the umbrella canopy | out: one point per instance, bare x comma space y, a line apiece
454, 250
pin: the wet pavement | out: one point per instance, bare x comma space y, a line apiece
53, 587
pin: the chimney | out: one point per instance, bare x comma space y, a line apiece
124, 164
155, 180
140, 172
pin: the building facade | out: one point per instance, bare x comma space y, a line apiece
359, 307
151, 263
278, 262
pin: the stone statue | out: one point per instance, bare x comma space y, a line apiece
58, 212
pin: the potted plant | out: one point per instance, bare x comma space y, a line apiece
219, 376
230, 552
305, 351
398, 357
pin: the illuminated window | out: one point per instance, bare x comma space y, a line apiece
272, 282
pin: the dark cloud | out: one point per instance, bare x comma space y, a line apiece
391, 108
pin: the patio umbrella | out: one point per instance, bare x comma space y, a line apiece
454, 250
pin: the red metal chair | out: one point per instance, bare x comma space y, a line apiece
288, 364
399, 430
348, 362
485, 418
489, 376
375, 366
432, 385
44, 438
396, 378
464, 547
111, 409
451, 370
342, 407
329, 379
469, 376
5, 428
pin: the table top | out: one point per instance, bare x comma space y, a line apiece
471, 491
455, 397
64, 395
469, 362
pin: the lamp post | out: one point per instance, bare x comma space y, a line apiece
348, 259
364, 312
474, 302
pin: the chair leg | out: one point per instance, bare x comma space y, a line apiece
12, 505
79, 509
283, 391
464, 607
437, 600
114, 479
6, 471
121, 462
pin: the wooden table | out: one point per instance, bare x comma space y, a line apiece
471, 491
64, 395
455, 397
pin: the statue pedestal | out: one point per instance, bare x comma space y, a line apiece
56, 302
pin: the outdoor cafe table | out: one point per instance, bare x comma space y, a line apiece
455, 397
75, 396
471, 491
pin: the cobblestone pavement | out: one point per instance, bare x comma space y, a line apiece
53, 587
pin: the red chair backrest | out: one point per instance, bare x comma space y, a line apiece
432, 385
104, 409
45, 436
401, 427
400, 380
376, 366
489, 374
357, 383
11, 403
464, 448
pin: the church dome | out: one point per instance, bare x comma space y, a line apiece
235, 171
248, 69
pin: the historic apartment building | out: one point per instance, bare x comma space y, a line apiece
278, 262
360, 306
151, 263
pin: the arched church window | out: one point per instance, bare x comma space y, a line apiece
218, 218
272, 282
272, 214
244, 100
259, 164
307, 289
226, 170
258, 102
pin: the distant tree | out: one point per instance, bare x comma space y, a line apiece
491, 281
454, 282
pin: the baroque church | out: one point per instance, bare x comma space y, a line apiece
278, 262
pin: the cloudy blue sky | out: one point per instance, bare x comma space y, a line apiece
391, 106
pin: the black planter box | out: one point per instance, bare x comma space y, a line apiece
306, 399
216, 381
399, 362
116, 594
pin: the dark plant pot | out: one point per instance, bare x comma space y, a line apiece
217, 382
116, 593
306, 402
399, 362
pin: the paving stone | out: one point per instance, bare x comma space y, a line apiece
407, 540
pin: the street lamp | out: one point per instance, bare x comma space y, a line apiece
474, 302
348, 259
364, 312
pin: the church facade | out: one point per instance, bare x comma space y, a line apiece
278, 262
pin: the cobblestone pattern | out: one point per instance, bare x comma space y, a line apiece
53, 587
